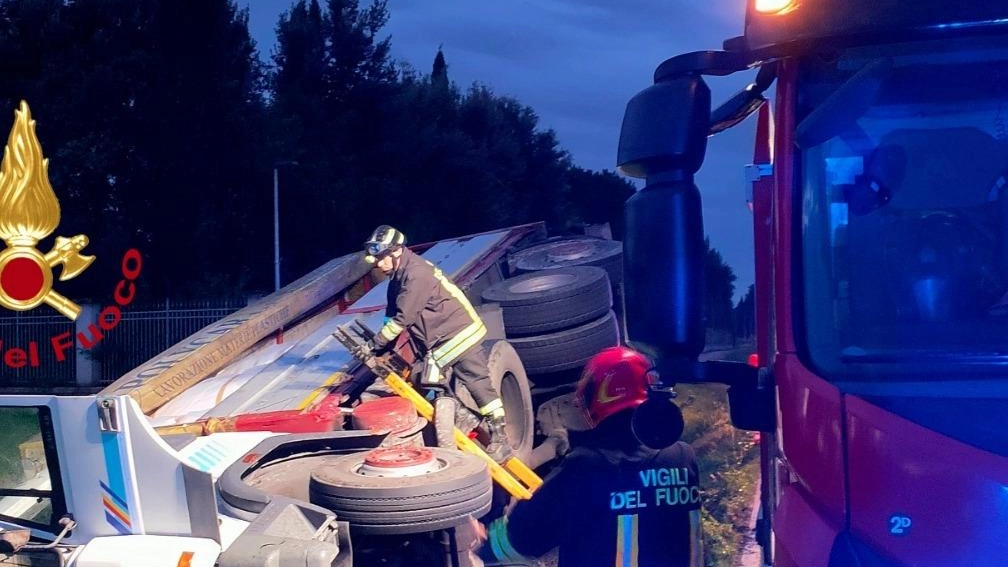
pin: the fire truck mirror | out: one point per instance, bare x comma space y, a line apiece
736, 109
665, 128
663, 261
751, 407
664, 138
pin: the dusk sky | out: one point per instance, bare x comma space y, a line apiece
577, 63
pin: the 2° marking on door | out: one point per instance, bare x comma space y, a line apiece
899, 524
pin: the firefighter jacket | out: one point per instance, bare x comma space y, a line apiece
607, 507
435, 312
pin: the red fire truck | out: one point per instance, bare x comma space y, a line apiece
880, 214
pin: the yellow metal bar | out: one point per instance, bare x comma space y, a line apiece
521, 471
400, 387
510, 481
335, 377
498, 473
185, 428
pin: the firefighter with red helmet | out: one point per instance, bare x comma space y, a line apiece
443, 326
612, 500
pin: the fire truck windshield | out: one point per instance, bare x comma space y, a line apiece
904, 202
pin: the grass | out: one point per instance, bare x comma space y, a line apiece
704, 408
731, 474
728, 460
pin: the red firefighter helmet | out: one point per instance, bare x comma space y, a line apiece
613, 380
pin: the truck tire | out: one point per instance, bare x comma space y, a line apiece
507, 374
551, 300
418, 519
340, 477
400, 505
241, 485
567, 349
461, 487
572, 251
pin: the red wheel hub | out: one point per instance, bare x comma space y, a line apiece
400, 461
398, 457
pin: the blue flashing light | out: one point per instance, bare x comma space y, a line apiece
966, 25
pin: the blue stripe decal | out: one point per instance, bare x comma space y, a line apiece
113, 495
116, 523
214, 459
113, 465
215, 451
201, 461
628, 537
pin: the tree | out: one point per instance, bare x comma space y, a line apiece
598, 197
138, 105
331, 86
745, 314
720, 279
298, 83
357, 57
514, 172
409, 150
56, 58
162, 135
439, 71
202, 118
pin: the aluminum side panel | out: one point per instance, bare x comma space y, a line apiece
284, 376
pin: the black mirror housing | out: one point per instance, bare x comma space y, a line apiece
665, 128
664, 139
752, 404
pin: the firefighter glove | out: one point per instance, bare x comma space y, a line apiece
363, 350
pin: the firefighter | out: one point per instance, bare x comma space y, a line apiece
612, 500
445, 330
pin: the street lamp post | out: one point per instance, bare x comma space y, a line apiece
276, 221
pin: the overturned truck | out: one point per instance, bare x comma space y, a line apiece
260, 440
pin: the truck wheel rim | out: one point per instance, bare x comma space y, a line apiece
542, 282
510, 391
570, 251
399, 462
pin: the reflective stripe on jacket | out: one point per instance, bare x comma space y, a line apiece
632, 510
425, 302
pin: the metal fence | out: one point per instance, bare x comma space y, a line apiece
99, 357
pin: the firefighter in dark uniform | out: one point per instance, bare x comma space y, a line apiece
444, 327
612, 501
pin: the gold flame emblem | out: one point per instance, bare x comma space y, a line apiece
30, 212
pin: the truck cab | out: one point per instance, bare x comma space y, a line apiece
156, 469
880, 225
